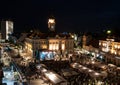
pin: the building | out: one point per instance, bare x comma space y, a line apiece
6, 29
61, 44
110, 45
51, 24
42, 45
112, 50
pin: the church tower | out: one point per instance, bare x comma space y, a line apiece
84, 41
51, 24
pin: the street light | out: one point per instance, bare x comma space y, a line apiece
108, 31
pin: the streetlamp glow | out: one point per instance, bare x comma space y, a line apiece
109, 31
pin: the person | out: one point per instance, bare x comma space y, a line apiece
20, 82
71, 59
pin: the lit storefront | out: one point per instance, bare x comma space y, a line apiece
45, 54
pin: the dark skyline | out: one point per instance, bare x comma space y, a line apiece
70, 15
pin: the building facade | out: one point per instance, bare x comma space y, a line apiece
61, 44
6, 29
109, 45
112, 50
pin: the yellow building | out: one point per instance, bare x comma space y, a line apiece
59, 43
109, 45
112, 49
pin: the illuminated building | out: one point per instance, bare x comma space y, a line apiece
6, 29
51, 24
113, 48
109, 45
59, 43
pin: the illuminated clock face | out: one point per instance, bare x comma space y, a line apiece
52, 27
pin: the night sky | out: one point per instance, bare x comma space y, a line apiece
70, 15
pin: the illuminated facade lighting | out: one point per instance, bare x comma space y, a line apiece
51, 21
63, 46
54, 44
109, 45
51, 24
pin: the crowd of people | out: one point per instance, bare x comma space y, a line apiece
79, 79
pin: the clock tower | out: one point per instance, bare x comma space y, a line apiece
51, 24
